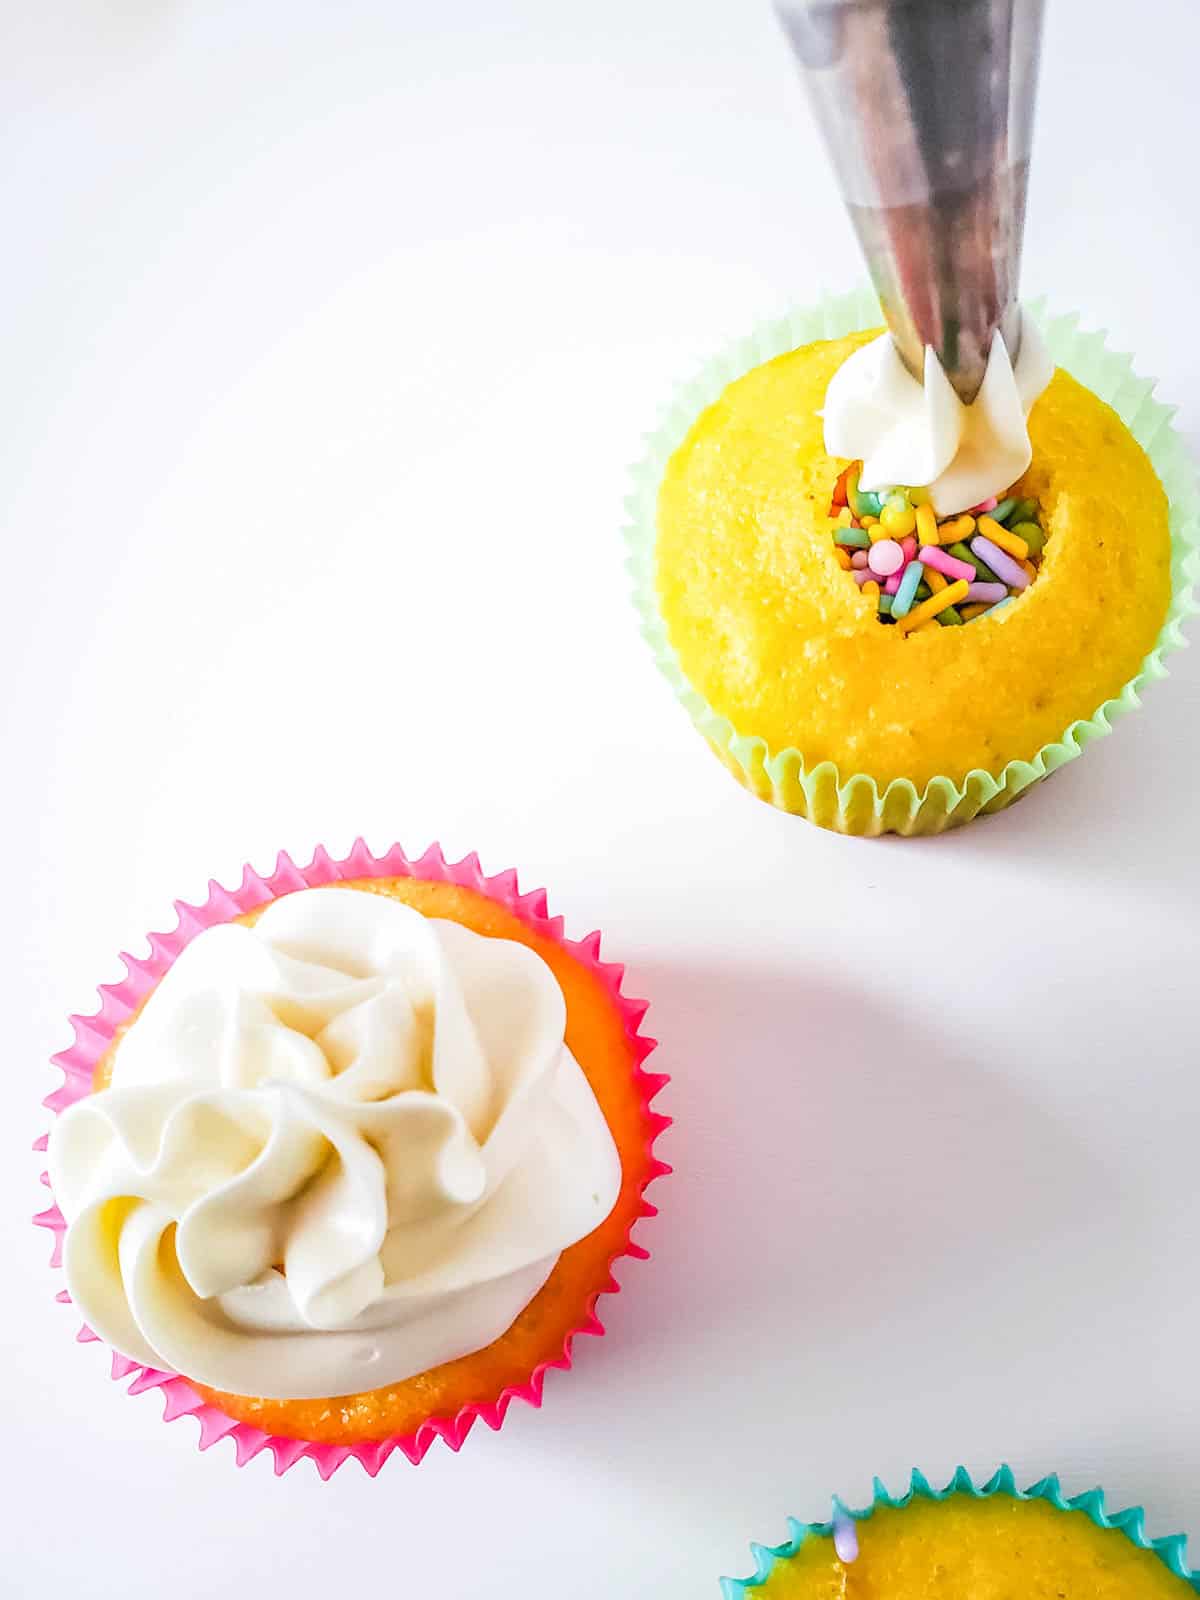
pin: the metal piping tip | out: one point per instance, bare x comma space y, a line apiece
927, 109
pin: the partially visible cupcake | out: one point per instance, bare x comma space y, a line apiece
875, 675
347, 1162
992, 1542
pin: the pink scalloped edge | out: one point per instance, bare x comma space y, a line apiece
119, 1001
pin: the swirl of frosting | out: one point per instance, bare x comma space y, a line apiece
339, 1147
919, 433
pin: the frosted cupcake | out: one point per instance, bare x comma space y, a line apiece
993, 1542
347, 1163
900, 656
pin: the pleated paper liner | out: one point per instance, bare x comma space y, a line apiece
854, 803
1131, 1522
119, 1001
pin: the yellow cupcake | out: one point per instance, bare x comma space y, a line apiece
989, 1549
597, 1040
784, 664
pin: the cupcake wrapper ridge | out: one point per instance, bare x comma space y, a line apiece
855, 803
1171, 1550
119, 1001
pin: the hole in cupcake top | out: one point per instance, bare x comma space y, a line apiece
923, 571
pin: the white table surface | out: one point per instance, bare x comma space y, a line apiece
327, 333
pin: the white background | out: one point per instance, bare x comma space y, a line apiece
327, 333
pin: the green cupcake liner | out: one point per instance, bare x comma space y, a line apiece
1131, 1522
856, 804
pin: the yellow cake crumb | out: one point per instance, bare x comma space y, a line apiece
772, 632
963, 1549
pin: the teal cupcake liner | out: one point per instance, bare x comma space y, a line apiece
854, 803
1131, 1522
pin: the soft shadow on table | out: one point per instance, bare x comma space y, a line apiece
1141, 781
827, 1135
1125, 809
850, 1186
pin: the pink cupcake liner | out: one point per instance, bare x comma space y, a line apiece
119, 1001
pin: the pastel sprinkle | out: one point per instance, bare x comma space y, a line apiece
984, 505
859, 559
892, 584
845, 1537
969, 613
982, 571
988, 593
856, 538
927, 528
898, 517
1003, 510
906, 592
909, 546
992, 610
863, 575
929, 609
862, 503
1033, 536
1005, 568
885, 558
942, 561
843, 559
885, 604
950, 617
1011, 543
933, 579
871, 589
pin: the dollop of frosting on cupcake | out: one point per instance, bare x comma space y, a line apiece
339, 1147
910, 432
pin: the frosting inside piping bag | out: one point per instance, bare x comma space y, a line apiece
339, 1147
922, 435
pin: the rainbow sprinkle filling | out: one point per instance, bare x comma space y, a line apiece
923, 572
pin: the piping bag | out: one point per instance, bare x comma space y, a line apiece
926, 107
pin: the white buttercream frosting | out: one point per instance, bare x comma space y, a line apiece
339, 1147
920, 434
